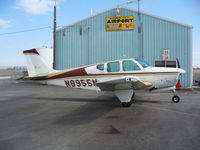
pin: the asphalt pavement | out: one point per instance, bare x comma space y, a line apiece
41, 117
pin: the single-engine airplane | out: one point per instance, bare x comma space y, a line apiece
124, 77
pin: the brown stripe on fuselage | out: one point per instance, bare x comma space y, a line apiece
31, 51
72, 73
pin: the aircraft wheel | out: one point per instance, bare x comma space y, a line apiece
175, 99
126, 104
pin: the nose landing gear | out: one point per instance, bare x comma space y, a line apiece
175, 98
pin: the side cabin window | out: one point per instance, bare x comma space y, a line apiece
100, 67
113, 67
129, 65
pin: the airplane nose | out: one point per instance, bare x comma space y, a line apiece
182, 71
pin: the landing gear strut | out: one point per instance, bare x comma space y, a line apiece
175, 98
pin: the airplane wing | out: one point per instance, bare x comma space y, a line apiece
123, 83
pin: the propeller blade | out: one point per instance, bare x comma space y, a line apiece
179, 66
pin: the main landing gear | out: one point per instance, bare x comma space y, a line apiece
125, 97
175, 98
126, 104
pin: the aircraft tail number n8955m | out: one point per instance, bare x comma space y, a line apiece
124, 77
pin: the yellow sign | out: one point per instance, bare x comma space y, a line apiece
120, 23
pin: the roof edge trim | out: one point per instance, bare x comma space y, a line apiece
134, 10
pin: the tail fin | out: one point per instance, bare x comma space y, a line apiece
36, 63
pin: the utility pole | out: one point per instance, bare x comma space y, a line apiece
139, 19
54, 37
140, 33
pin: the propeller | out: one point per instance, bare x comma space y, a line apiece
179, 66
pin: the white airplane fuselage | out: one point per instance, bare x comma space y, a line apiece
160, 78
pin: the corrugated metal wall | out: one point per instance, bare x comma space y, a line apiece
88, 42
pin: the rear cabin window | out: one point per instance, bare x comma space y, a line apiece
113, 67
143, 63
100, 67
129, 65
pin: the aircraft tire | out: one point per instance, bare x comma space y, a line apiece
175, 99
126, 104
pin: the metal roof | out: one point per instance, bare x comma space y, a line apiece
134, 10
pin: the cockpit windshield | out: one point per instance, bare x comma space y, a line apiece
142, 63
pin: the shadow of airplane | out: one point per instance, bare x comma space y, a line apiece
93, 109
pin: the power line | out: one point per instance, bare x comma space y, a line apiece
16, 32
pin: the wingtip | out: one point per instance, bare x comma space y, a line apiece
147, 83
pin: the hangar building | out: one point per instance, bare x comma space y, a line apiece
121, 32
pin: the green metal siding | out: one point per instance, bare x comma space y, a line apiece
88, 42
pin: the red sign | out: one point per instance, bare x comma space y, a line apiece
165, 54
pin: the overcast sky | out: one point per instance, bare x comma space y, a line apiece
19, 15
